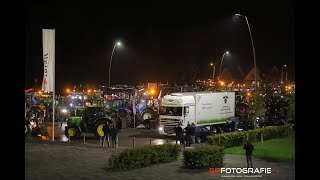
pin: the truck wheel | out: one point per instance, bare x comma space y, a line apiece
72, 131
147, 114
27, 128
97, 130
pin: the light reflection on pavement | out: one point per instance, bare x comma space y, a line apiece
142, 136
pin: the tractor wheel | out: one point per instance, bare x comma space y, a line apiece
72, 131
147, 123
97, 130
27, 128
147, 114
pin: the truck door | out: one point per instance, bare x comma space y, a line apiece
189, 114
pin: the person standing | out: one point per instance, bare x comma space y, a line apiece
188, 134
178, 130
249, 148
113, 134
192, 133
106, 132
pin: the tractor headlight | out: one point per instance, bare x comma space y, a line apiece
64, 111
160, 128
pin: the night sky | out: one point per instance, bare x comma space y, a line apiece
160, 42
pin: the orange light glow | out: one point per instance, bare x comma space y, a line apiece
68, 90
152, 91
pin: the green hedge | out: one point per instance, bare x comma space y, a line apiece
203, 156
137, 157
237, 138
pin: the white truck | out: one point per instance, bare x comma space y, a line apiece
201, 108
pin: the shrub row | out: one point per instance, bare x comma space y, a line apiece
137, 157
203, 156
237, 138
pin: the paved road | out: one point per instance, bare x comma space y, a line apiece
141, 134
75, 160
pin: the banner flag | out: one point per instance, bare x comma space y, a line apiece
48, 39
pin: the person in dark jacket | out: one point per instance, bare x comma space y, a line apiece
188, 135
119, 124
193, 133
113, 134
178, 130
106, 131
249, 148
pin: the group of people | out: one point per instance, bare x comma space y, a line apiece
110, 131
190, 139
190, 134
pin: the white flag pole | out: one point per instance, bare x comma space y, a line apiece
53, 115
54, 81
48, 83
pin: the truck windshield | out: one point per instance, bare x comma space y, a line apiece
171, 111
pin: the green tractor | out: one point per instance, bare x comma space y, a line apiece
88, 119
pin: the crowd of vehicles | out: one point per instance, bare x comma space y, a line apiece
211, 111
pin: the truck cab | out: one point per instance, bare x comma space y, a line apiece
201, 108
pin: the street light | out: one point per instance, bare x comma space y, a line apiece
214, 71
255, 64
254, 52
116, 44
284, 66
227, 52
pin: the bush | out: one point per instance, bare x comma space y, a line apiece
203, 156
237, 138
137, 157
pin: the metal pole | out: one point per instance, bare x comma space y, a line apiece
111, 61
133, 141
134, 122
281, 74
117, 142
254, 55
53, 116
214, 71
255, 67
84, 138
221, 65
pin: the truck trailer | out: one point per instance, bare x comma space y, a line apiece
201, 108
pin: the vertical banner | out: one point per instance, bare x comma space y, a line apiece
48, 82
48, 40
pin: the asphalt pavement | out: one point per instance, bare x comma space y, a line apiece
46, 159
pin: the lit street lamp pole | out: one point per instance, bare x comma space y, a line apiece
282, 73
118, 43
255, 64
214, 71
254, 53
227, 52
